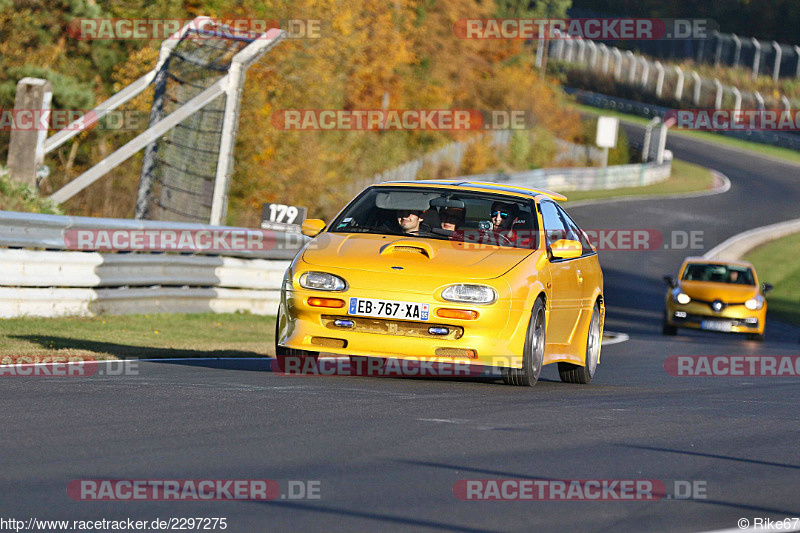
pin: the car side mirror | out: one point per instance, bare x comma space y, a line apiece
670, 281
566, 249
766, 287
312, 227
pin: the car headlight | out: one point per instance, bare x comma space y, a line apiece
755, 303
471, 294
680, 297
322, 281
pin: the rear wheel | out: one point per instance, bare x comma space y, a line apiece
295, 358
570, 373
533, 353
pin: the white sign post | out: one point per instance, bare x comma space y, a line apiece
607, 135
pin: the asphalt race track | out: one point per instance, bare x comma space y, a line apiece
387, 452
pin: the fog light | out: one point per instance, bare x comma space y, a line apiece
344, 323
326, 302
751, 320
461, 314
438, 331
680, 314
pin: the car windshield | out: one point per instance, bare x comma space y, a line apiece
430, 213
740, 275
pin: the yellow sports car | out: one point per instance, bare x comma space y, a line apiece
448, 271
716, 296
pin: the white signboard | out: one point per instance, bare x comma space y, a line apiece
607, 132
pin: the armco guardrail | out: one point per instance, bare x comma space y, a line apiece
29, 230
585, 178
38, 277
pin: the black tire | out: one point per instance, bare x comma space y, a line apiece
667, 328
282, 353
533, 353
758, 337
570, 373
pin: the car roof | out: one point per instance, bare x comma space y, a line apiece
703, 260
479, 186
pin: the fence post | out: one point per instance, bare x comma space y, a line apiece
607, 55
718, 51
756, 57
659, 79
698, 85
797, 53
617, 63
679, 88
26, 146
776, 70
737, 51
737, 99
581, 50
760, 100
718, 97
592, 54
645, 71
632, 59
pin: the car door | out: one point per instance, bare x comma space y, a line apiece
565, 296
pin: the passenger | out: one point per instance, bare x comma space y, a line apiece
409, 220
452, 218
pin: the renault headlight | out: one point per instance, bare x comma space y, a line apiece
470, 294
755, 303
681, 297
322, 281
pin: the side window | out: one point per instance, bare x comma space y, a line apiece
575, 233
554, 228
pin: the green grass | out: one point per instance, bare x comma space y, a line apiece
792, 156
140, 336
685, 178
776, 263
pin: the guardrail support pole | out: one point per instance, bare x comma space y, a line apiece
659, 79
679, 85
632, 65
698, 85
617, 64
645, 71
26, 146
776, 70
797, 53
718, 51
718, 97
607, 55
737, 51
737, 99
756, 57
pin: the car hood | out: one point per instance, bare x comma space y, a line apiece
412, 256
727, 292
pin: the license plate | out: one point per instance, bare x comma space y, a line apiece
716, 325
388, 309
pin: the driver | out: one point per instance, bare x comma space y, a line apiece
503, 216
409, 220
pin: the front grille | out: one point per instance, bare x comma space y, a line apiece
400, 328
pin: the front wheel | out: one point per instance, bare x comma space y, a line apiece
533, 353
667, 328
570, 373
